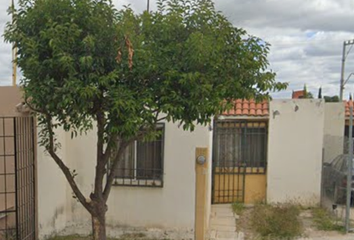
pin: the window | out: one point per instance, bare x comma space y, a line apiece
240, 143
142, 163
255, 146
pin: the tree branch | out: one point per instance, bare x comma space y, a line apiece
113, 168
64, 168
109, 149
160, 119
100, 167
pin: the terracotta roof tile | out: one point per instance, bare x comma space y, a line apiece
298, 94
245, 111
238, 105
347, 107
248, 108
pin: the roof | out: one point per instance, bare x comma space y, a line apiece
248, 108
347, 107
298, 94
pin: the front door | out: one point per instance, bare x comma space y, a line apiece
239, 161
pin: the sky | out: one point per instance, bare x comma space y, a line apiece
306, 38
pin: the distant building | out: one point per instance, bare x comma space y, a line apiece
298, 94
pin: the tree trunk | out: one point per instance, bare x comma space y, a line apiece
99, 227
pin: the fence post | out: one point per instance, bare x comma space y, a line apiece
201, 171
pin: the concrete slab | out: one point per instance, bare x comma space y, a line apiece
231, 235
223, 228
223, 223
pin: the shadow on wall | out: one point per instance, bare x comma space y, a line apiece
334, 146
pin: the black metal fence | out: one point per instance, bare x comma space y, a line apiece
17, 179
239, 148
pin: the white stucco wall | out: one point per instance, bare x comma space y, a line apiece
210, 180
333, 138
52, 191
296, 130
171, 207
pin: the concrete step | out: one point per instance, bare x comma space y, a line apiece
223, 228
221, 234
235, 236
222, 222
212, 234
222, 213
221, 206
217, 218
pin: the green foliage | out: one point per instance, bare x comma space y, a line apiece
306, 93
83, 58
276, 222
331, 98
238, 207
325, 221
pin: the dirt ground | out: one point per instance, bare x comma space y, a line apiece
310, 232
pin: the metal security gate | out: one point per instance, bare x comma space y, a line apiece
17, 179
239, 151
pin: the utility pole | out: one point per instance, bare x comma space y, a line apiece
349, 173
344, 57
148, 5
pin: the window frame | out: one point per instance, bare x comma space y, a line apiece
240, 126
139, 182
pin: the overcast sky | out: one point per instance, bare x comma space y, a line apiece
306, 37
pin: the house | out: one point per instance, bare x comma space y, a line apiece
268, 151
298, 94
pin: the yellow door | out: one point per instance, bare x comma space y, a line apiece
239, 161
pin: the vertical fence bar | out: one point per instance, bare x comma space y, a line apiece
16, 180
33, 178
349, 174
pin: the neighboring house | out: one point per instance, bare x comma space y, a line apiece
347, 116
268, 151
298, 94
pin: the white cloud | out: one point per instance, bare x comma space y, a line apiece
306, 37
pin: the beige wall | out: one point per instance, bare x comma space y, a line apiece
9, 98
333, 138
210, 180
53, 211
171, 207
295, 151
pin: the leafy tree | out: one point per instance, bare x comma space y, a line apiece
307, 94
320, 93
331, 98
84, 63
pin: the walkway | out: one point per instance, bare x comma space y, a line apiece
223, 223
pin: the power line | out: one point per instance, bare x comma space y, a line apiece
344, 57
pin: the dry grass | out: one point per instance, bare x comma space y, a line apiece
138, 236
276, 221
238, 208
325, 221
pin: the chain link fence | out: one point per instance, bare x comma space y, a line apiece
334, 187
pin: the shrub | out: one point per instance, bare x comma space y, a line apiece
276, 221
325, 221
238, 207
